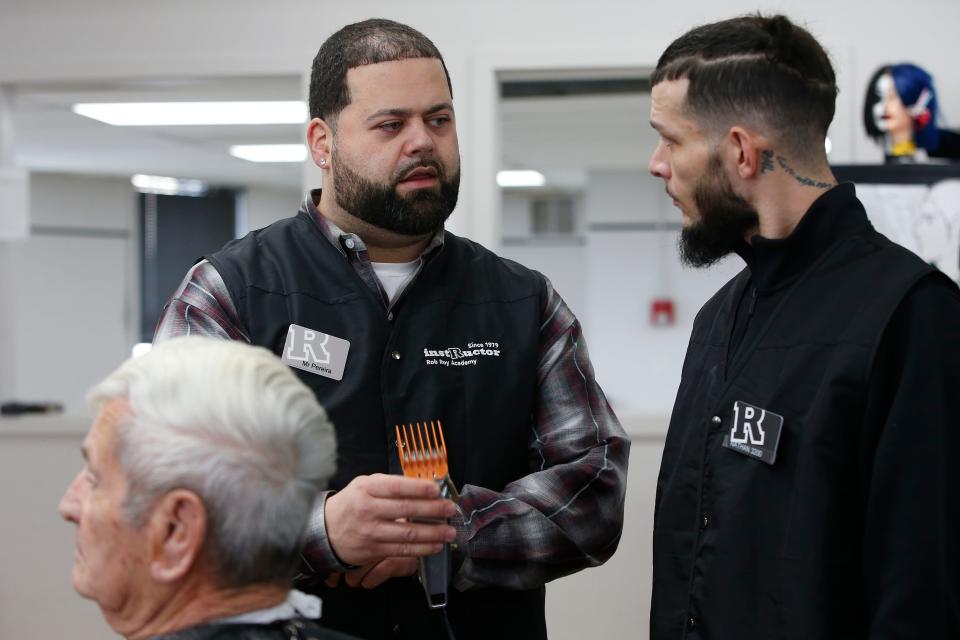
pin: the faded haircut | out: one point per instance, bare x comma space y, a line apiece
233, 424
760, 71
355, 45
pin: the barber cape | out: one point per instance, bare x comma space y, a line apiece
289, 620
292, 629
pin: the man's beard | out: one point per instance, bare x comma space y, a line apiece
420, 212
725, 219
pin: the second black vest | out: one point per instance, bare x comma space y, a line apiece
743, 549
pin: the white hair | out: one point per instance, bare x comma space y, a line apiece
233, 424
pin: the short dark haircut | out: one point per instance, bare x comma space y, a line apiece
362, 43
764, 69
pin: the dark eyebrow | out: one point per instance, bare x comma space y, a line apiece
406, 113
398, 113
440, 106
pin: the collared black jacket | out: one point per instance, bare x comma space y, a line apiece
853, 531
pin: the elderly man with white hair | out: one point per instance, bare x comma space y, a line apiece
200, 450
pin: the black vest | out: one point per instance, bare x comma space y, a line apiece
483, 313
743, 549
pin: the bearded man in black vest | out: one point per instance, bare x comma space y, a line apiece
392, 320
808, 487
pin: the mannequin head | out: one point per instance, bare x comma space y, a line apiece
900, 110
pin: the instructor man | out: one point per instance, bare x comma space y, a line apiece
391, 320
809, 486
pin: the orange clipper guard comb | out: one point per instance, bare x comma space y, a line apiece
423, 455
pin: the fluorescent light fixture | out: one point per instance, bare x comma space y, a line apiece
270, 152
141, 348
144, 114
525, 178
164, 185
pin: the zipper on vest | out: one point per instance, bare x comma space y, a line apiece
753, 302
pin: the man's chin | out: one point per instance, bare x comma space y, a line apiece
687, 218
411, 194
81, 583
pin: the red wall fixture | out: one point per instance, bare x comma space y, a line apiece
662, 312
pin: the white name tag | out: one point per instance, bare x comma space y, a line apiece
316, 352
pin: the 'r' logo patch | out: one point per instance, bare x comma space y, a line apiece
316, 352
755, 432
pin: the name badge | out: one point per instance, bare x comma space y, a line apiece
316, 352
755, 432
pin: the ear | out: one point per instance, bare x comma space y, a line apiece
319, 138
745, 148
179, 527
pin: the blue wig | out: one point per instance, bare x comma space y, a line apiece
915, 88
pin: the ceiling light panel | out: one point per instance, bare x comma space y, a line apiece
155, 114
520, 178
270, 152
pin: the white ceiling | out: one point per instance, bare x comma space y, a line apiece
49, 137
567, 136
563, 137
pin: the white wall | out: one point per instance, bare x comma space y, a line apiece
7, 368
639, 363
515, 210
563, 262
69, 301
262, 206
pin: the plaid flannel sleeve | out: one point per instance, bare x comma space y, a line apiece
202, 306
567, 514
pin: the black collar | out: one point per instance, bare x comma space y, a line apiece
835, 215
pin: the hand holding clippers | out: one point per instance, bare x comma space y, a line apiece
423, 454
